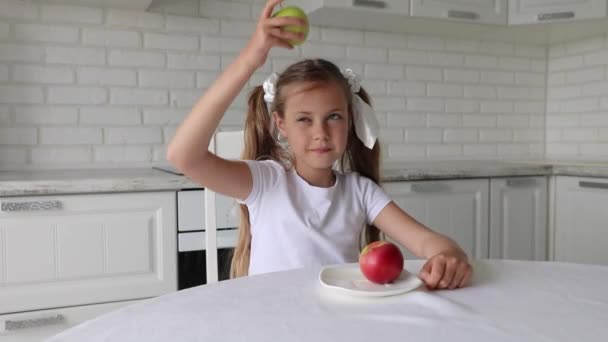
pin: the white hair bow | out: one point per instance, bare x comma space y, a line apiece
270, 87
364, 118
366, 123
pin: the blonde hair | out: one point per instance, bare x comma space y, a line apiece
261, 145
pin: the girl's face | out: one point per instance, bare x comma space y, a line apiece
315, 123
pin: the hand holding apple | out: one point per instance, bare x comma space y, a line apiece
294, 11
446, 271
274, 30
381, 262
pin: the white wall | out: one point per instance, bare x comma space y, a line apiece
86, 87
577, 100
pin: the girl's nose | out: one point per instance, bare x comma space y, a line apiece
321, 131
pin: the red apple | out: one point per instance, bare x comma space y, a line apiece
381, 262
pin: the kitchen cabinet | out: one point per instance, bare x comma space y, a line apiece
372, 15
581, 213
140, 5
456, 208
499, 217
487, 20
518, 218
475, 11
35, 326
72, 250
540, 11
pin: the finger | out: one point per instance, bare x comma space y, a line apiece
284, 21
437, 270
425, 271
268, 8
286, 35
466, 280
448, 274
460, 273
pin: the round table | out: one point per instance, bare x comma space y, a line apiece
507, 301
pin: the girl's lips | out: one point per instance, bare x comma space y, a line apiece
320, 150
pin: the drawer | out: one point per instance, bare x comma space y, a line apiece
35, 326
191, 213
58, 251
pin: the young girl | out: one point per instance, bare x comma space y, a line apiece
303, 130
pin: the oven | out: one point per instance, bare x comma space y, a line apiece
191, 257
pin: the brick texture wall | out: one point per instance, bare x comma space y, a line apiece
577, 100
91, 87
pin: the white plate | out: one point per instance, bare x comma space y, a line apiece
349, 279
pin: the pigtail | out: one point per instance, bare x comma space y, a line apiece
259, 145
366, 162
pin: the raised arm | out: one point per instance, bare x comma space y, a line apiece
188, 150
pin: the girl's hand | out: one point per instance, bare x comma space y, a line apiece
446, 271
269, 33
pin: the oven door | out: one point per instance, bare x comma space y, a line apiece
191, 257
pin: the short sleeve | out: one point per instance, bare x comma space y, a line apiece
374, 198
264, 175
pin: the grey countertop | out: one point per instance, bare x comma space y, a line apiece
47, 182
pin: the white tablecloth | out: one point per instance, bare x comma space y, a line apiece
508, 301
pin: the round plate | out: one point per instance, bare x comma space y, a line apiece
349, 279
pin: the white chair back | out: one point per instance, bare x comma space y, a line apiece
227, 145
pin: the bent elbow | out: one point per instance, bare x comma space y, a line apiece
183, 161
178, 158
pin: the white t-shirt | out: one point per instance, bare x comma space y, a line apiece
295, 224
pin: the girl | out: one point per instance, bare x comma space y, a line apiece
298, 209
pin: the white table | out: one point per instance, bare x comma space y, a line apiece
508, 301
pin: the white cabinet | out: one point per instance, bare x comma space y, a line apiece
456, 208
35, 326
140, 5
581, 216
539, 11
373, 15
518, 218
58, 251
474, 11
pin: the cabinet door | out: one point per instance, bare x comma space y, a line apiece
478, 11
456, 208
581, 214
401, 7
60, 251
539, 11
518, 218
35, 326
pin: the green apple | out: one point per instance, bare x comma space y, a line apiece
294, 11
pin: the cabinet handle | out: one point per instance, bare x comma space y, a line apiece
430, 187
30, 206
33, 323
521, 182
594, 185
463, 15
555, 15
369, 3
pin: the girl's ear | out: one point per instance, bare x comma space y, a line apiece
280, 123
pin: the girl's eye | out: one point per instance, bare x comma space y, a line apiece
303, 119
335, 116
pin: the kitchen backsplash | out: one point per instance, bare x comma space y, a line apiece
577, 99
87, 87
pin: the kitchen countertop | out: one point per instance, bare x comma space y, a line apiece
52, 182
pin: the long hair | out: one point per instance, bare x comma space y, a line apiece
261, 144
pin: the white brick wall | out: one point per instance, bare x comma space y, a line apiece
577, 111
108, 87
